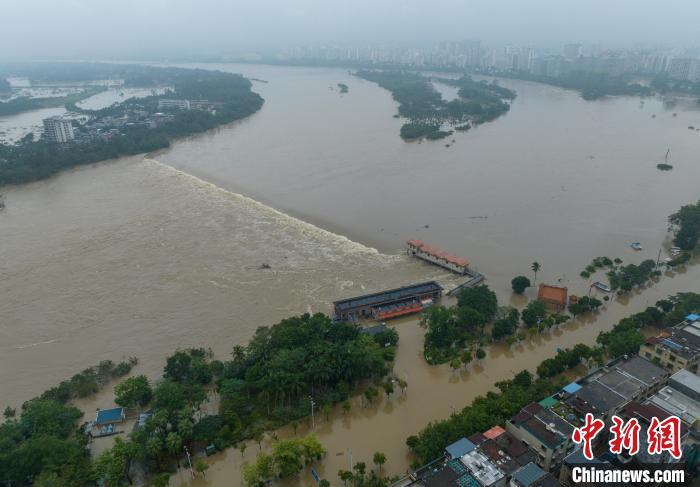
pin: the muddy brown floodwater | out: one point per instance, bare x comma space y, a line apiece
140, 257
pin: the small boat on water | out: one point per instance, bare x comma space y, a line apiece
601, 286
636, 245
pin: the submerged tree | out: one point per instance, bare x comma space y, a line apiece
535, 268
520, 284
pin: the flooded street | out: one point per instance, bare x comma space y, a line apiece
140, 257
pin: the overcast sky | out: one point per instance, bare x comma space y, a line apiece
101, 29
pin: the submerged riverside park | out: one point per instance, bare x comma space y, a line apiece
177, 262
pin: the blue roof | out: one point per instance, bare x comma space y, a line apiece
460, 448
672, 345
571, 388
109, 415
528, 475
693, 317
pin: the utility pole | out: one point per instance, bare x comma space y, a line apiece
313, 421
658, 258
189, 461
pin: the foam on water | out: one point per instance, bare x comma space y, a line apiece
306, 229
30, 345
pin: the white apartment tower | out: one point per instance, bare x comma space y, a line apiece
57, 129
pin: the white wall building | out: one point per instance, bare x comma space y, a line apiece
57, 129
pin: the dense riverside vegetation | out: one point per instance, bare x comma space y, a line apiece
287, 459
494, 408
42, 444
662, 84
456, 334
25, 104
427, 111
591, 86
687, 226
31, 160
266, 384
482, 414
451, 329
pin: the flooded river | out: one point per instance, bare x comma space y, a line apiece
138, 258
558, 180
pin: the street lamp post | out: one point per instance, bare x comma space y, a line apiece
189, 461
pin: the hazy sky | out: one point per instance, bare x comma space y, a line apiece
127, 28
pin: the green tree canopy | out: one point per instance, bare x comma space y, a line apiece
520, 284
132, 392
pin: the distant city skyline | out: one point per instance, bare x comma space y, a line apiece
122, 29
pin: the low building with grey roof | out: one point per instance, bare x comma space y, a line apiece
606, 391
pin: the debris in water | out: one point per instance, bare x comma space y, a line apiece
264, 266
426, 226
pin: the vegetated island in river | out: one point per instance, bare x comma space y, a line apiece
591, 86
196, 101
427, 112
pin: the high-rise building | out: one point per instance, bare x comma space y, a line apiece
572, 51
686, 69
57, 129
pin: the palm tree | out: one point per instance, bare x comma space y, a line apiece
173, 443
258, 435
466, 358
379, 459
535, 267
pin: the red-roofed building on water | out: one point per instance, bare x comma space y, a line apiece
554, 297
419, 249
